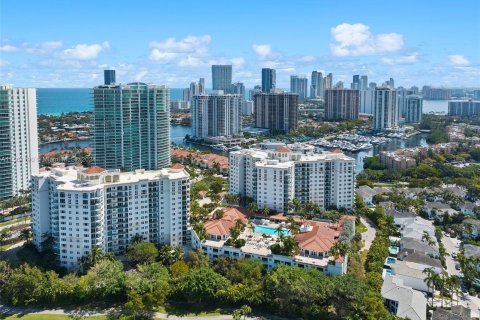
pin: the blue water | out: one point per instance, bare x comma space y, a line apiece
63, 100
270, 231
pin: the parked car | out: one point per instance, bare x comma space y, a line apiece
454, 254
457, 266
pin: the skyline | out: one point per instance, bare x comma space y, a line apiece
175, 43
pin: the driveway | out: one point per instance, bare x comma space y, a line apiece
368, 235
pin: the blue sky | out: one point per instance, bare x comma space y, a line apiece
68, 43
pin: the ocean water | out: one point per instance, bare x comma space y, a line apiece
62, 100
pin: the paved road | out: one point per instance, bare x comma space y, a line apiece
14, 224
368, 235
473, 303
451, 245
13, 310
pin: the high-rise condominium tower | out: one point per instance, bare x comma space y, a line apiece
342, 104
18, 139
316, 87
222, 77
215, 115
328, 82
413, 109
238, 88
277, 111
299, 85
109, 77
131, 126
355, 83
268, 79
80, 208
385, 113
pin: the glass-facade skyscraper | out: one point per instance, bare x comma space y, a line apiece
131, 126
109, 77
269, 79
222, 77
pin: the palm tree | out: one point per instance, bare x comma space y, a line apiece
455, 285
26, 234
266, 211
253, 207
426, 237
468, 228
339, 249
251, 226
430, 280
293, 226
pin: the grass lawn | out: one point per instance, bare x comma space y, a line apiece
47, 317
7, 246
360, 228
7, 223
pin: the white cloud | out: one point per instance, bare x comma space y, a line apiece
357, 40
170, 49
192, 61
406, 59
263, 51
160, 56
84, 51
139, 76
458, 60
8, 48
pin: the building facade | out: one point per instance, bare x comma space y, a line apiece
274, 177
238, 88
131, 126
413, 109
18, 139
464, 108
269, 79
342, 104
215, 115
276, 111
109, 77
222, 77
328, 82
385, 113
81, 208
316, 86
299, 85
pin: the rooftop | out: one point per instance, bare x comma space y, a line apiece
412, 304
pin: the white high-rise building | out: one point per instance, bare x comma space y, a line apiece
80, 208
273, 177
385, 113
18, 139
217, 114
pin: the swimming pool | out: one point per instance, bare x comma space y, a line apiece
270, 231
393, 249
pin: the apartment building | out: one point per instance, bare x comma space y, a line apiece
274, 177
84, 207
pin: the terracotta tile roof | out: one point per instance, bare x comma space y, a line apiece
282, 149
93, 170
320, 239
177, 166
220, 227
336, 151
